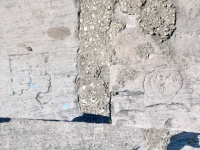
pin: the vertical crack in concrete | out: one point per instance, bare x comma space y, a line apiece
77, 2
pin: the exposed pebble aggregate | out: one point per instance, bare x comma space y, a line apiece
156, 17
95, 56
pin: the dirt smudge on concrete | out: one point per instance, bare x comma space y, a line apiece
59, 33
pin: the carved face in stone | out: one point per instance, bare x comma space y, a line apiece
162, 83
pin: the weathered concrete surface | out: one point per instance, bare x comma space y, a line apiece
157, 84
38, 50
40, 135
45, 31
31, 134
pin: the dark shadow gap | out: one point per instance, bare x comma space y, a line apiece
3, 120
177, 142
87, 118
90, 118
47, 120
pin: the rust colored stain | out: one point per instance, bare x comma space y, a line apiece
59, 33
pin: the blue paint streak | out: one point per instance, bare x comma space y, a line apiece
65, 106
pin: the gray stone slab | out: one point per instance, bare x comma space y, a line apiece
39, 44
157, 84
40, 135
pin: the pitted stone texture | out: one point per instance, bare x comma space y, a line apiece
143, 51
95, 56
131, 6
69, 136
157, 138
38, 59
164, 90
156, 17
162, 139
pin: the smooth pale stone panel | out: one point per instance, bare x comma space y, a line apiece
38, 50
156, 85
44, 26
5, 81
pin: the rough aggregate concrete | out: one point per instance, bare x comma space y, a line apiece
156, 17
156, 138
95, 56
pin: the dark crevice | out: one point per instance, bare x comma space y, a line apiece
3, 120
47, 120
87, 118
110, 107
90, 118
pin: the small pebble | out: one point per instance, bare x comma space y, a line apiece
29, 49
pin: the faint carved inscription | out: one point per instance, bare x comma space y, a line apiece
163, 83
28, 74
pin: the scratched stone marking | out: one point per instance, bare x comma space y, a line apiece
162, 83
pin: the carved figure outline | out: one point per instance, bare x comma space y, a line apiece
163, 83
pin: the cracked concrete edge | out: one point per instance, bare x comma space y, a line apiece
77, 4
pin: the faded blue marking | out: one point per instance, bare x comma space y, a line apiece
12, 93
3, 68
5, 106
30, 85
65, 106
37, 103
27, 76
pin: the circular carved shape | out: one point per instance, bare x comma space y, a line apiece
163, 83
